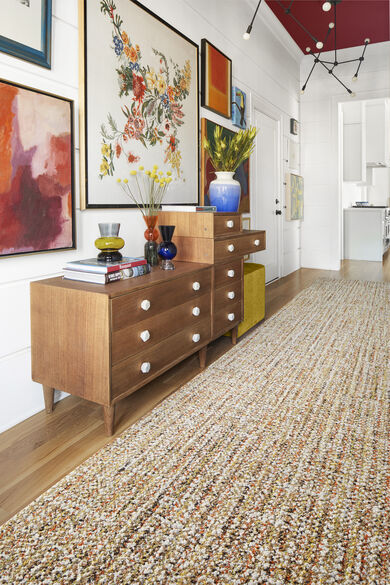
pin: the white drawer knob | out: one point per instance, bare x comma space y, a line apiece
231, 273
145, 335
196, 337
257, 242
196, 285
145, 367
231, 316
230, 223
231, 247
196, 311
231, 294
145, 305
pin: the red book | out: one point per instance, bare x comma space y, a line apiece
93, 265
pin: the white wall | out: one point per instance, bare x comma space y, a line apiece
262, 67
321, 228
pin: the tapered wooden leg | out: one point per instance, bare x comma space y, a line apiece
234, 335
202, 357
48, 397
109, 419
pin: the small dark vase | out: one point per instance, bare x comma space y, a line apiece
167, 249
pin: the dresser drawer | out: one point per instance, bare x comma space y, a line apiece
128, 375
144, 303
226, 223
227, 273
226, 318
226, 296
247, 242
140, 336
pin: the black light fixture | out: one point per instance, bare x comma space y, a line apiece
248, 31
328, 65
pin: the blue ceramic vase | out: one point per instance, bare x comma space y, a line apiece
167, 249
225, 192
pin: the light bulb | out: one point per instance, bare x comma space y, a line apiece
352, 94
319, 45
367, 40
246, 36
308, 49
355, 78
326, 6
302, 91
331, 25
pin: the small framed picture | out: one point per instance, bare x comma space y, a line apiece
25, 30
294, 125
216, 88
239, 108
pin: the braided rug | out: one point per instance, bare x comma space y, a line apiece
271, 467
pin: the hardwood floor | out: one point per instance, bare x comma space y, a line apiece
36, 453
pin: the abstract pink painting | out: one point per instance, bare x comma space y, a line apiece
36, 171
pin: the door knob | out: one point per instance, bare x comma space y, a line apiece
278, 212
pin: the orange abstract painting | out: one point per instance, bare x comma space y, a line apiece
216, 80
36, 171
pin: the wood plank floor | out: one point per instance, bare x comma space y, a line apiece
36, 453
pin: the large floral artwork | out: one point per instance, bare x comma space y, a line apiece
142, 106
36, 171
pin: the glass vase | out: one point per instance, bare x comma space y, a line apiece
167, 249
109, 243
151, 235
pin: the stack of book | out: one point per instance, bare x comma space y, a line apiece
91, 270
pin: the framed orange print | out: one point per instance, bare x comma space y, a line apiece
216, 90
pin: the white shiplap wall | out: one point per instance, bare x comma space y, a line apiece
262, 67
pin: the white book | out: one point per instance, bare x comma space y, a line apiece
179, 207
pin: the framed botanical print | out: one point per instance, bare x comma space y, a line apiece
208, 173
36, 171
294, 197
25, 30
216, 87
140, 103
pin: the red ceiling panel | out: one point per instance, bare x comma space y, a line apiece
356, 21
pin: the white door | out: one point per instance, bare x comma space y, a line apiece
265, 197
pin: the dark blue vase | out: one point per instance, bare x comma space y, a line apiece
167, 249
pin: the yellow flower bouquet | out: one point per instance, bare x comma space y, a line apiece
148, 189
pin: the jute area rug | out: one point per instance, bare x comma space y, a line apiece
269, 468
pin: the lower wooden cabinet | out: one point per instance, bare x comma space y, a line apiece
102, 342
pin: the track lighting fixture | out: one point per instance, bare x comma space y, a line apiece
319, 45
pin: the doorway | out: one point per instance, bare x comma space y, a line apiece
266, 194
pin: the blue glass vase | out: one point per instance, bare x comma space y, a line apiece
167, 249
225, 192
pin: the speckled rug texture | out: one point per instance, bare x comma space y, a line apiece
271, 467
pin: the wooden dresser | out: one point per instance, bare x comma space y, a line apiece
217, 238
103, 342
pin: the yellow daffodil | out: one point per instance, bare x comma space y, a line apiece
133, 173
141, 168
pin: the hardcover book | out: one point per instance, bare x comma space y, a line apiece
93, 265
100, 278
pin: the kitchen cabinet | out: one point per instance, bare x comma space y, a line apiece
378, 133
366, 233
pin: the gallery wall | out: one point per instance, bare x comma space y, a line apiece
320, 154
263, 68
